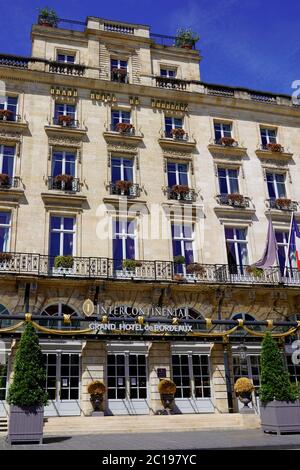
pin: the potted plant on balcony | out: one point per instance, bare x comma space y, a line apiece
254, 271
5, 257
97, 390
236, 199
167, 390
178, 260
283, 203
178, 133
5, 114
63, 181
180, 190
4, 180
63, 264
129, 266
123, 127
65, 120
243, 388
123, 186
226, 141
48, 17
27, 396
195, 270
186, 38
280, 406
274, 147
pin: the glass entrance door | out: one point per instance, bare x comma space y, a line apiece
63, 384
127, 384
191, 374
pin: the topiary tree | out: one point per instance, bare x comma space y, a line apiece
275, 381
28, 386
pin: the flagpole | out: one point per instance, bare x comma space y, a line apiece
289, 242
277, 257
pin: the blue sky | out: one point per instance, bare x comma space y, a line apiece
249, 43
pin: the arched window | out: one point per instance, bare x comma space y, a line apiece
245, 317
4, 323
58, 311
194, 315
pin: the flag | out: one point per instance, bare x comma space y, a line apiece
270, 254
294, 244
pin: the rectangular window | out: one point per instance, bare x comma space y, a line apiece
63, 163
65, 113
177, 174
69, 377
66, 58
62, 236
50, 385
228, 181
293, 369
120, 116
10, 105
137, 376
276, 185
182, 243
172, 123
191, 375
268, 136
282, 239
119, 70
116, 380
222, 130
5, 227
247, 367
237, 250
124, 241
168, 73
121, 169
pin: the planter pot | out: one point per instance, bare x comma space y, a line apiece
96, 401
280, 416
25, 424
167, 400
127, 274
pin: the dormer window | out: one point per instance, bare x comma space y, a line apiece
66, 58
119, 70
168, 73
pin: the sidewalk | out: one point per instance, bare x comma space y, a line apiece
197, 440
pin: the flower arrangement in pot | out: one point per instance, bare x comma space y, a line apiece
186, 38
48, 17
195, 268
227, 141
65, 262
65, 120
123, 127
167, 390
180, 189
283, 203
178, 133
4, 257
274, 147
4, 179
123, 186
243, 388
5, 114
236, 199
254, 271
64, 181
131, 264
97, 390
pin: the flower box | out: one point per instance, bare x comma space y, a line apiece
6, 114
236, 199
273, 147
123, 127
65, 120
4, 179
178, 133
180, 189
283, 203
226, 141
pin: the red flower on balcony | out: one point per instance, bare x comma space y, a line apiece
180, 189
274, 147
5, 114
123, 127
65, 120
117, 71
178, 133
236, 199
123, 185
227, 141
4, 179
283, 203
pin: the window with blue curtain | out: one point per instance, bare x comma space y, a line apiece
7, 159
121, 169
177, 174
63, 163
62, 234
228, 181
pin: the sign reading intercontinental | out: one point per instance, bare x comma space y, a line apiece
127, 311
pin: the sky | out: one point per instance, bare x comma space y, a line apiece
248, 43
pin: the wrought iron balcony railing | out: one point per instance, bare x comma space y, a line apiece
124, 188
64, 183
226, 142
188, 194
176, 134
67, 69
233, 200
119, 76
7, 182
123, 128
282, 204
272, 147
142, 270
171, 83
72, 123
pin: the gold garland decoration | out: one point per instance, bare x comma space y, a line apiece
12, 328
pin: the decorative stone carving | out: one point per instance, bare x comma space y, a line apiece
177, 154
120, 147
65, 141
5, 134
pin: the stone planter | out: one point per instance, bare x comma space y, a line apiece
25, 424
168, 402
280, 416
246, 398
97, 401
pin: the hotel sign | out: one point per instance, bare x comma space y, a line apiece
124, 327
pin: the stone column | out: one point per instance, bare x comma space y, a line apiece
93, 368
159, 357
219, 377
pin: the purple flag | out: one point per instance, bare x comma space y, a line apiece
270, 254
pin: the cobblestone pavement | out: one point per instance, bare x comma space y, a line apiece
221, 439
